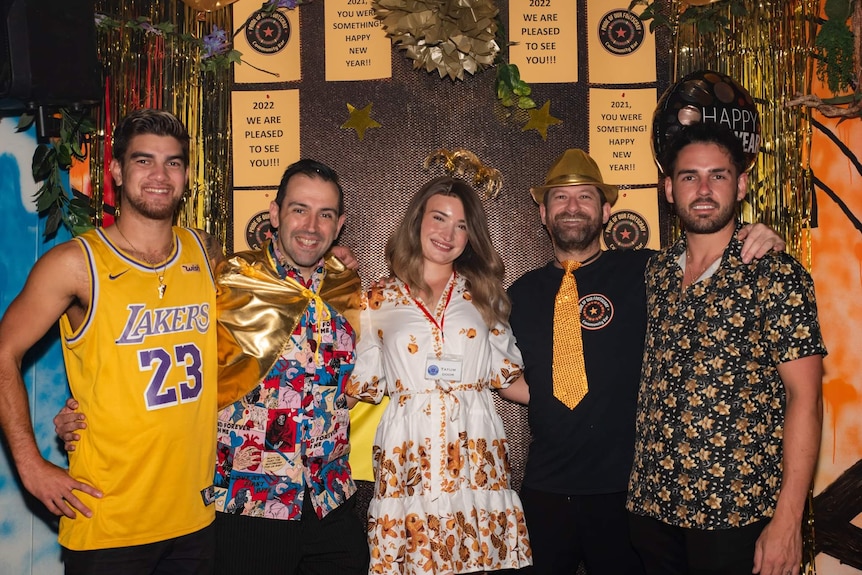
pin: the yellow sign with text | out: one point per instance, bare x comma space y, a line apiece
265, 136
357, 47
620, 125
544, 34
620, 47
269, 43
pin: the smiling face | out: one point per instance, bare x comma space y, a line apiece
307, 220
574, 216
443, 233
705, 188
153, 175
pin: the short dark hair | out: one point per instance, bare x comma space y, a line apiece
312, 169
705, 133
149, 121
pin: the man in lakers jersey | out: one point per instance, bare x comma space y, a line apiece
136, 306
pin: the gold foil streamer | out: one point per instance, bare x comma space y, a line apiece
767, 52
163, 71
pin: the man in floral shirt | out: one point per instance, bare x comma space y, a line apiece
730, 404
283, 489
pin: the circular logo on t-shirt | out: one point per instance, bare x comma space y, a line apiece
267, 32
621, 32
626, 230
597, 311
258, 230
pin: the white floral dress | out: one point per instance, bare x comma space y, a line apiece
443, 501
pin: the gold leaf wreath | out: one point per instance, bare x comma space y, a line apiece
459, 162
449, 36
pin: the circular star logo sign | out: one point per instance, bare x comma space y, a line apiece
258, 230
626, 230
267, 32
621, 32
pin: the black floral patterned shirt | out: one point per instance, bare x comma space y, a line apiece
711, 403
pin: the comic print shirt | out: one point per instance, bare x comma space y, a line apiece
288, 437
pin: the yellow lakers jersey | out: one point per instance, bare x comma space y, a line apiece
143, 367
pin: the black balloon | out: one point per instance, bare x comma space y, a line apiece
706, 96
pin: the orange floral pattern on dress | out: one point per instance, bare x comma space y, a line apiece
442, 502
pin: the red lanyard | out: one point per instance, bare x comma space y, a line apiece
430, 317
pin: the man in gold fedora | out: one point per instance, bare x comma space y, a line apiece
582, 370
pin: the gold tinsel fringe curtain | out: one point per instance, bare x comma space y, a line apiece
767, 52
161, 70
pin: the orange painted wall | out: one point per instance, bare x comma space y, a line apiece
837, 272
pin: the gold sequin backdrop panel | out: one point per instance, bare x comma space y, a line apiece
767, 52
161, 70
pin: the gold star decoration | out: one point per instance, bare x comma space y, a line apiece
540, 119
360, 120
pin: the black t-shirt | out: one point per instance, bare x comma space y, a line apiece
587, 450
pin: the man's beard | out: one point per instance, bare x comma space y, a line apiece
700, 225
576, 239
150, 210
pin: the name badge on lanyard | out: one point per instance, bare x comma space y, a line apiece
446, 367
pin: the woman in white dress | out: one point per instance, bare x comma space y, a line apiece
435, 338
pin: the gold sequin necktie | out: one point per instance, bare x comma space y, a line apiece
570, 374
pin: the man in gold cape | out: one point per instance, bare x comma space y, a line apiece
283, 486
258, 312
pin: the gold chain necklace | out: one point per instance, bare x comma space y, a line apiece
160, 276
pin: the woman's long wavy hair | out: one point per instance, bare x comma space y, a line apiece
479, 264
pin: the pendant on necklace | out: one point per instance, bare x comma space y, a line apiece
162, 288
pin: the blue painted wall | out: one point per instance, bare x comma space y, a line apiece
28, 533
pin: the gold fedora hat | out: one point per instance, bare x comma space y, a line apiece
574, 168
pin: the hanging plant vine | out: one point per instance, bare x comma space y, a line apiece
838, 50
50, 160
706, 18
511, 90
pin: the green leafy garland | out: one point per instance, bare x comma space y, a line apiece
75, 212
705, 19
510, 88
834, 43
836, 50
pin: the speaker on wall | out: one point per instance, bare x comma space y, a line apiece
48, 54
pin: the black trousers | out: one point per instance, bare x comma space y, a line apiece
190, 554
253, 545
566, 530
670, 550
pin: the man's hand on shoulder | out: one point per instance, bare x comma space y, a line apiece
346, 255
758, 240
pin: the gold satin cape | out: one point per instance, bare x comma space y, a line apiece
258, 311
